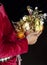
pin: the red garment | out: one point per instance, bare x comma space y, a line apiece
10, 45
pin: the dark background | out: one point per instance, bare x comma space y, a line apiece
37, 54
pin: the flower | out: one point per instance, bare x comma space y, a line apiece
24, 18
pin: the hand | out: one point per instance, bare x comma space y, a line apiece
32, 37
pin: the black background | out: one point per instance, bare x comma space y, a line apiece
37, 54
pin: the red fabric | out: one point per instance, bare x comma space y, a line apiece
10, 45
9, 62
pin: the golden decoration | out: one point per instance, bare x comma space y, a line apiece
32, 22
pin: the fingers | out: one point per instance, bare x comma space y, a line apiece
39, 33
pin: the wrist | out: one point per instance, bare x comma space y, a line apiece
27, 40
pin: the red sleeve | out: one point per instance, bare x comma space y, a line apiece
10, 45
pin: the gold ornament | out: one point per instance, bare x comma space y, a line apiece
32, 22
20, 35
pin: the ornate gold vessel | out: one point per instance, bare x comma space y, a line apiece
32, 22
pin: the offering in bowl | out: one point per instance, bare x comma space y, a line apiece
32, 22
